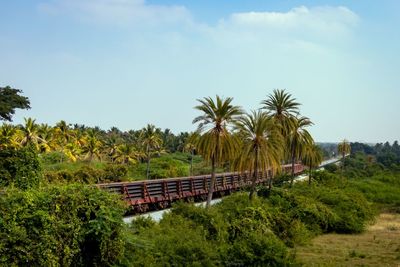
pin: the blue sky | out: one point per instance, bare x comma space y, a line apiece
127, 63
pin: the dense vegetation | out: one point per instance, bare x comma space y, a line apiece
52, 215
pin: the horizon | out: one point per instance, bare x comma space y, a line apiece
128, 63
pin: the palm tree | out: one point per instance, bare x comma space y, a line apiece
46, 133
110, 147
282, 107
64, 135
126, 154
312, 158
262, 145
298, 139
151, 142
8, 136
190, 146
216, 144
344, 148
92, 145
30, 133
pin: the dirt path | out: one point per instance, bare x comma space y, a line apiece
378, 246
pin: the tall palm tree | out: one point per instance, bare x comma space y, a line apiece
64, 135
46, 133
282, 106
92, 145
190, 146
151, 142
298, 139
262, 145
126, 154
312, 157
216, 143
30, 133
344, 149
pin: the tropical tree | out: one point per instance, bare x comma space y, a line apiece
190, 146
10, 99
46, 134
262, 146
344, 149
63, 134
8, 137
216, 143
151, 142
92, 146
126, 154
312, 158
30, 133
282, 106
298, 139
110, 146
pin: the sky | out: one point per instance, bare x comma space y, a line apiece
127, 63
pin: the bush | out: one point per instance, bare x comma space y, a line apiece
88, 175
210, 219
175, 241
258, 249
52, 157
69, 225
20, 168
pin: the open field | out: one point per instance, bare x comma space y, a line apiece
378, 246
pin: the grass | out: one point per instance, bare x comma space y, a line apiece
378, 246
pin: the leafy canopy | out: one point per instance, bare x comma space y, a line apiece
10, 99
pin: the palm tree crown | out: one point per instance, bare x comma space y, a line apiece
216, 143
262, 145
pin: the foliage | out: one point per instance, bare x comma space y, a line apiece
70, 225
88, 175
20, 168
10, 99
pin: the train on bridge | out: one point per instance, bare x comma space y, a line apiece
147, 195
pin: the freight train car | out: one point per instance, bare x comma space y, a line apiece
146, 195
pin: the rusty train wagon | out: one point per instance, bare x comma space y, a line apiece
146, 195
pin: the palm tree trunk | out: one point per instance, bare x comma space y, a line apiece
212, 182
148, 163
255, 174
292, 175
270, 182
191, 162
309, 176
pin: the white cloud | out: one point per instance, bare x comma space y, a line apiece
317, 20
119, 12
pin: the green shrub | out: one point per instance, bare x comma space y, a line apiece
175, 241
258, 249
69, 225
51, 157
210, 219
20, 168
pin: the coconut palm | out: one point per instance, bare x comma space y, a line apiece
216, 143
63, 134
110, 146
8, 137
30, 133
262, 145
92, 145
126, 154
190, 146
73, 151
344, 149
151, 142
46, 133
312, 158
297, 140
